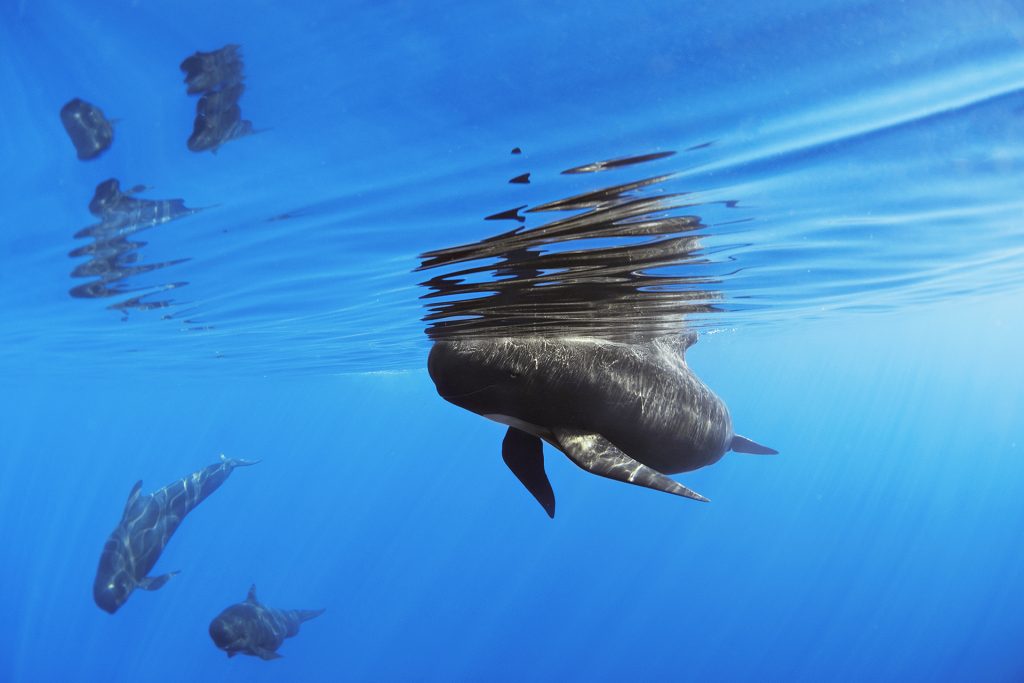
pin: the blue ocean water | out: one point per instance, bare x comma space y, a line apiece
856, 278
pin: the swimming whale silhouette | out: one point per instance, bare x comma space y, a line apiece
631, 412
252, 628
146, 526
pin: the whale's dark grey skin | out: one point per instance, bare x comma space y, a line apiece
252, 628
631, 412
90, 131
146, 526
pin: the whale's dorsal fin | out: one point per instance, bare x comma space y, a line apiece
742, 444
597, 454
132, 497
251, 597
676, 344
524, 455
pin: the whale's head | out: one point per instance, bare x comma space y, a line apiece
111, 590
228, 632
480, 376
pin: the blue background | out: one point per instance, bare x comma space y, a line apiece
872, 335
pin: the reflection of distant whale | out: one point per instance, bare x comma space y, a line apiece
208, 71
146, 526
218, 120
113, 255
631, 412
120, 210
218, 77
252, 628
88, 128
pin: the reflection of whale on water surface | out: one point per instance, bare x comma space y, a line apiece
90, 131
218, 77
113, 256
584, 347
252, 628
146, 526
208, 71
218, 120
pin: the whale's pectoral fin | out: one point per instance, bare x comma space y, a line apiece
524, 455
597, 454
267, 655
741, 444
152, 583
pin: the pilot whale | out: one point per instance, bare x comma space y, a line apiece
252, 628
146, 526
634, 412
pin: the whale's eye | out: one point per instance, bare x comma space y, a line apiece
513, 375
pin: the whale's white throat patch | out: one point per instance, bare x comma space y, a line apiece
521, 425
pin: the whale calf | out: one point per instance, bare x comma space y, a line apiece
252, 628
146, 526
631, 412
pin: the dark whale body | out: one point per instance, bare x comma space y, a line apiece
632, 412
146, 526
90, 131
252, 628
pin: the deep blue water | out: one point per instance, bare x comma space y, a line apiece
857, 171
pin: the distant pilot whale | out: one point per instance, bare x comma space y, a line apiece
631, 412
146, 526
252, 628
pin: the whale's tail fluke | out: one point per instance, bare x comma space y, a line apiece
307, 614
238, 462
741, 444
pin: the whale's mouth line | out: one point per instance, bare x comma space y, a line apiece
468, 393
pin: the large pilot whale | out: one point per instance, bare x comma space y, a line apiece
146, 526
634, 412
252, 628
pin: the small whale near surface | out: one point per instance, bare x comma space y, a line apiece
145, 528
634, 412
255, 629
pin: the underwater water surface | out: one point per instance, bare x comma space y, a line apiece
831, 195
